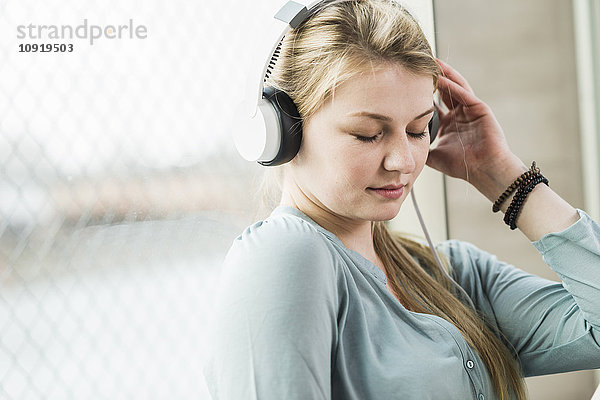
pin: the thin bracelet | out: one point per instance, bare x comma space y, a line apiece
513, 211
516, 213
517, 182
518, 199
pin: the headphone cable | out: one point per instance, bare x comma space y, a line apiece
435, 254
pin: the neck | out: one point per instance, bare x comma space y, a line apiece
355, 234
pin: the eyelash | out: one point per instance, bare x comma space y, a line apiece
370, 139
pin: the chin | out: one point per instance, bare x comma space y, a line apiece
386, 213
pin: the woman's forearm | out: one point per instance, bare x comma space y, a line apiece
543, 211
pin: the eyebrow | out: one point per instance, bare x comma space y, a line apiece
384, 117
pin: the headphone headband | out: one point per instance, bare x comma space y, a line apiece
290, 16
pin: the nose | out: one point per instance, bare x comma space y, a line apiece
399, 156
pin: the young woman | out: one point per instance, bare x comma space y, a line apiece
321, 301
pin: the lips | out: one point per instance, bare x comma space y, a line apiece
390, 192
390, 187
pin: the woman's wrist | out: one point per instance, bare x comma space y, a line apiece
543, 212
493, 180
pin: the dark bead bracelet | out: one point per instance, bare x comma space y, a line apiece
510, 218
513, 209
530, 173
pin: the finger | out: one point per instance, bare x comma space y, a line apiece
453, 74
449, 72
444, 119
447, 122
451, 104
441, 116
457, 93
446, 98
441, 113
444, 127
439, 101
433, 160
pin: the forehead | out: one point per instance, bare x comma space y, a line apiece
391, 90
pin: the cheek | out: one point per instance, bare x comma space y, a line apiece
421, 152
355, 169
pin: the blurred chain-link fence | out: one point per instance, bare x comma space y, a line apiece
120, 193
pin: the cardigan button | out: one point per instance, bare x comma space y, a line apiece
470, 365
480, 396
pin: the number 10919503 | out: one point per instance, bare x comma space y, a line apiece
45, 48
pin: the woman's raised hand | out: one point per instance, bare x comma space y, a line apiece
472, 146
470, 142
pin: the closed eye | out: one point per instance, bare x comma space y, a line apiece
370, 139
417, 135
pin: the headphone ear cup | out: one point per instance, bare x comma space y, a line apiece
290, 125
434, 125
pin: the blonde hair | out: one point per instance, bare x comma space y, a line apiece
339, 41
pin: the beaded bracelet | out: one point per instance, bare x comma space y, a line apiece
510, 211
526, 175
527, 181
510, 217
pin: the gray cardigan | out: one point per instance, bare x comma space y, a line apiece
300, 316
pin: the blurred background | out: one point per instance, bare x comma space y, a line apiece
121, 190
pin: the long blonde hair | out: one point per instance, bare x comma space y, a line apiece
339, 41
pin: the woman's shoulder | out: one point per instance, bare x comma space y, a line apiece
279, 230
280, 242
